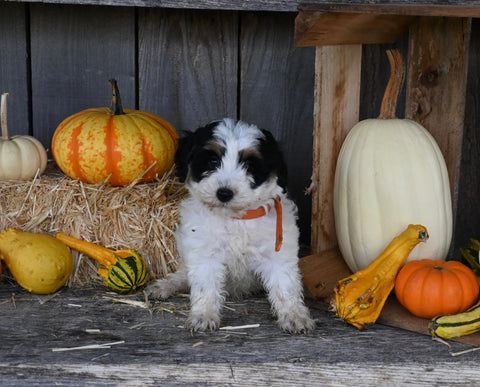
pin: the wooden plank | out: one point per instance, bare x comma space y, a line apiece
468, 213
336, 111
278, 373
276, 93
186, 73
75, 51
153, 347
460, 8
234, 5
395, 315
328, 28
463, 8
321, 272
436, 85
14, 66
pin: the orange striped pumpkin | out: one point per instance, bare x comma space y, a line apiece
115, 144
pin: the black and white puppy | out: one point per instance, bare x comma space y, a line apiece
237, 230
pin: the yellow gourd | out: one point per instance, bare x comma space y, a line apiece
360, 298
456, 325
40, 263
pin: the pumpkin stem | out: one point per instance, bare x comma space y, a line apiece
3, 115
116, 107
394, 86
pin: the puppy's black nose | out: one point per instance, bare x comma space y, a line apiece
224, 194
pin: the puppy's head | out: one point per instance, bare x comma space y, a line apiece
231, 166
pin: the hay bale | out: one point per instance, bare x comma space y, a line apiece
141, 216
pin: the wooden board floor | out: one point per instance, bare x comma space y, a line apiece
43, 339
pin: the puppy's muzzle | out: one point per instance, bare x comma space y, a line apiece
224, 194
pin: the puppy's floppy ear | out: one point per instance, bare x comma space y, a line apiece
188, 145
274, 158
183, 154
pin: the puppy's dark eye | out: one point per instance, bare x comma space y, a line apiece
203, 164
251, 164
256, 168
213, 162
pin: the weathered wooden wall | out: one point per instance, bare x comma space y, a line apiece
188, 66
468, 212
192, 66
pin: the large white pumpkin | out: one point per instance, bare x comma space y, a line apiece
390, 173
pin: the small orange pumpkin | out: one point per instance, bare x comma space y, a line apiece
115, 143
429, 288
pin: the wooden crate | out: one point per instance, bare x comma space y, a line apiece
435, 97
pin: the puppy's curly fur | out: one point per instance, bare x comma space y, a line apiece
230, 167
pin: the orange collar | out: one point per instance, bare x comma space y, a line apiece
262, 211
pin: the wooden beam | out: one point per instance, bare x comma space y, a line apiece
321, 29
457, 8
336, 111
460, 8
436, 85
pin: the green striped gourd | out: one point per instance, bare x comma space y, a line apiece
123, 271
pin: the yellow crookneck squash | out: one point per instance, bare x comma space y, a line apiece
121, 145
390, 172
359, 298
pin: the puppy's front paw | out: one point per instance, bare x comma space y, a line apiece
299, 322
201, 323
162, 288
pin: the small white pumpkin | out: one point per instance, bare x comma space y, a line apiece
390, 173
22, 156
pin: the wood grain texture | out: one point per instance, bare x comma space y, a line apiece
319, 373
14, 68
465, 8
321, 272
75, 51
395, 315
188, 65
245, 5
467, 223
329, 28
276, 93
154, 348
337, 101
436, 85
